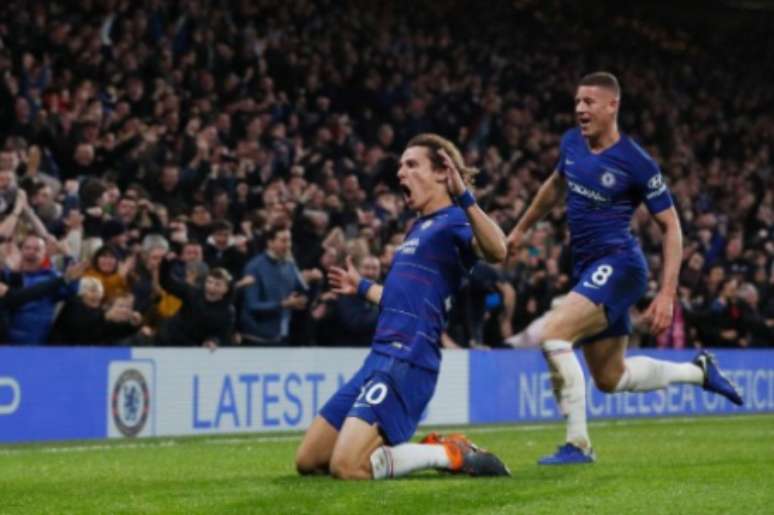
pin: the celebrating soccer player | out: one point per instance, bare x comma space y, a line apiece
605, 176
361, 432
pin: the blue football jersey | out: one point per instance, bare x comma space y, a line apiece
425, 275
603, 191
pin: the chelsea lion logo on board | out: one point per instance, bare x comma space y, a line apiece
608, 179
130, 402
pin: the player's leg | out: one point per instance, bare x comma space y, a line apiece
604, 290
351, 458
573, 319
361, 453
613, 372
314, 454
387, 412
381, 414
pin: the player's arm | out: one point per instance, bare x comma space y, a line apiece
348, 281
488, 238
660, 311
549, 194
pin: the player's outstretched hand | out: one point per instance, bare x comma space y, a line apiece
454, 181
659, 313
344, 281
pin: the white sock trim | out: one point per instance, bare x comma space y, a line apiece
572, 389
388, 462
552, 346
644, 374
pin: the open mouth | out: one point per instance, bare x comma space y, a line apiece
406, 192
584, 122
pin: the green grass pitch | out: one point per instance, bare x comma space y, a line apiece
702, 465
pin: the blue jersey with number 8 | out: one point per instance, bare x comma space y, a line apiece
603, 191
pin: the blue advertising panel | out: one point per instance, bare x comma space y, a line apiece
49, 393
515, 386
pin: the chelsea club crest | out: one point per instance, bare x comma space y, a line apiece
607, 179
130, 402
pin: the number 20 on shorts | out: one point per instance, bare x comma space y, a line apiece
373, 393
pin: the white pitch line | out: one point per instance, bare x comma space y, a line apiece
88, 448
258, 439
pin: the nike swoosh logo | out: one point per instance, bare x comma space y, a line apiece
589, 285
569, 162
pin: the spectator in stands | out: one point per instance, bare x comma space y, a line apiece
30, 323
13, 297
278, 290
351, 319
150, 298
83, 321
12, 203
758, 332
224, 249
107, 268
104, 136
115, 235
206, 317
194, 268
199, 225
15, 211
724, 327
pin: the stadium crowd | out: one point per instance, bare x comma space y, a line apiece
185, 172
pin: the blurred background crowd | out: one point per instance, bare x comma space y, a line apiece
185, 172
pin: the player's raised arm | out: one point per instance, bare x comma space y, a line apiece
549, 194
660, 311
348, 281
489, 239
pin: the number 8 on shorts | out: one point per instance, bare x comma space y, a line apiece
601, 274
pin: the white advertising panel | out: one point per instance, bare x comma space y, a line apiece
247, 390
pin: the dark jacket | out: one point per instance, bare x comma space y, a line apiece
355, 320
197, 320
231, 259
79, 324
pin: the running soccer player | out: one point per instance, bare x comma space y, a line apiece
361, 432
605, 176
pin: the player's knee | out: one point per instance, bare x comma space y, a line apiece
345, 468
607, 383
306, 464
556, 328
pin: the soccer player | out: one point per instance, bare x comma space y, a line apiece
361, 432
605, 176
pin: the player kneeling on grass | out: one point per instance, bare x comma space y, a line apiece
361, 432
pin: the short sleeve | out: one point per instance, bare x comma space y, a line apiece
463, 240
652, 187
559, 167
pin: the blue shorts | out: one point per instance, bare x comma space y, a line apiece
617, 282
389, 392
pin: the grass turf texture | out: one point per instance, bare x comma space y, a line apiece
686, 465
